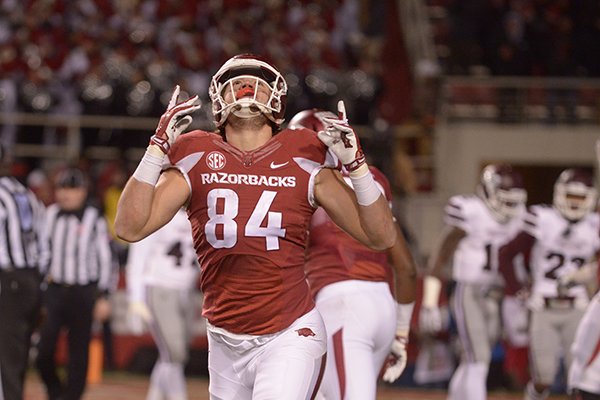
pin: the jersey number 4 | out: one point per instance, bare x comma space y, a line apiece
229, 208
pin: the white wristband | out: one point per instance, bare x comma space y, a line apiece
403, 316
365, 188
149, 168
432, 287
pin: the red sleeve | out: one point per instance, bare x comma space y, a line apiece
306, 142
521, 244
188, 143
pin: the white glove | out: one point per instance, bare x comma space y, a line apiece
138, 317
396, 361
174, 121
430, 316
342, 140
430, 320
583, 275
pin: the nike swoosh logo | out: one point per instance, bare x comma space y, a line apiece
275, 166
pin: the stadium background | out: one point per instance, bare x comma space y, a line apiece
436, 89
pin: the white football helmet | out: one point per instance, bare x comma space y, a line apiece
574, 194
248, 66
501, 188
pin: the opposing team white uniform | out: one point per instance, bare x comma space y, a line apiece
162, 272
560, 248
476, 258
584, 373
475, 303
166, 258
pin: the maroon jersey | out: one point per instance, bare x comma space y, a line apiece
334, 256
250, 213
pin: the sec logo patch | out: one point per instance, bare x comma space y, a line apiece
215, 160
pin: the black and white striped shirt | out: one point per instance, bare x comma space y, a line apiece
22, 240
79, 247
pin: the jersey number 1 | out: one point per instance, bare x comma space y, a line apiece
229, 211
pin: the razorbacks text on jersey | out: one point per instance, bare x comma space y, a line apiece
560, 248
476, 257
330, 248
250, 213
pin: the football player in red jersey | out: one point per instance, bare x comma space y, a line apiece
250, 192
352, 286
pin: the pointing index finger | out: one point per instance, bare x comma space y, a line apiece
174, 97
342, 111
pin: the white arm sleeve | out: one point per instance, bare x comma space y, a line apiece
432, 287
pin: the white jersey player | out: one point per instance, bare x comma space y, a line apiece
162, 272
476, 226
561, 241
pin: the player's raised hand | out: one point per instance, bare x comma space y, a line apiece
174, 121
342, 140
396, 361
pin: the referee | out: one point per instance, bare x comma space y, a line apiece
79, 275
23, 254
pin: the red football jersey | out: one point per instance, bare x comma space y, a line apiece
335, 256
250, 213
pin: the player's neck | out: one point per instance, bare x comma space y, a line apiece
247, 136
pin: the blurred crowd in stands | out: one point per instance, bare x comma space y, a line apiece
551, 38
123, 57
555, 40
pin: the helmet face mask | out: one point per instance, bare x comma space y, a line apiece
246, 95
574, 194
501, 189
256, 74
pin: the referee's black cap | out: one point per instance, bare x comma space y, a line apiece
71, 178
